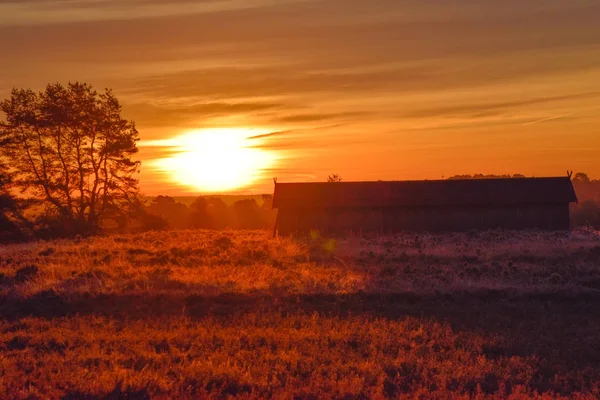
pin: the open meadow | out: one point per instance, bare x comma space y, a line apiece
206, 314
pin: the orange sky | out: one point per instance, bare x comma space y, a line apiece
387, 89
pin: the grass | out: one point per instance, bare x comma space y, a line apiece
201, 314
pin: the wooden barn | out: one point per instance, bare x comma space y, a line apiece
434, 206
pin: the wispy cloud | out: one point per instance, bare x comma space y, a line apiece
321, 117
485, 109
552, 118
63, 11
186, 114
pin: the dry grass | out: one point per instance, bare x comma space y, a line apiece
196, 314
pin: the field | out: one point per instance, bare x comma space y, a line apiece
201, 314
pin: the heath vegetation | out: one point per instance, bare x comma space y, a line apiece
205, 314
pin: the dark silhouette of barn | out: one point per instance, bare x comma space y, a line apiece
438, 205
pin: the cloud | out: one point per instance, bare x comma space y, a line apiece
363, 81
35, 12
320, 117
296, 132
271, 134
546, 119
268, 81
178, 115
491, 109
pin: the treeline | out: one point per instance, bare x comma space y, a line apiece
68, 168
207, 212
587, 211
482, 176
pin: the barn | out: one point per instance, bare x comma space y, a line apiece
431, 205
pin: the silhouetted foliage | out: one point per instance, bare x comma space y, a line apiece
71, 152
218, 212
247, 214
200, 217
334, 178
211, 212
9, 231
267, 202
489, 176
581, 177
177, 214
147, 221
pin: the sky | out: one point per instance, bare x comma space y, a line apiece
228, 94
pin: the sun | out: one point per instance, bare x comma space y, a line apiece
215, 160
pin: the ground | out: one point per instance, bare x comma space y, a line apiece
201, 314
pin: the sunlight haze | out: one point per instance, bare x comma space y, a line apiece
212, 160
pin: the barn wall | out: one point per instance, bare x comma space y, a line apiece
338, 220
548, 217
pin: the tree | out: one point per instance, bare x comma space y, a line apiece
581, 177
267, 203
177, 214
247, 214
71, 151
218, 212
5, 181
200, 217
334, 178
10, 214
143, 220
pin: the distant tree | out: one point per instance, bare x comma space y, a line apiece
200, 217
269, 215
144, 220
175, 213
71, 151
482, 176
218, 212
151, 222
334, 178
267, 203
581, 177
247, 214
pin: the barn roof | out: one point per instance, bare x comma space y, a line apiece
459, 192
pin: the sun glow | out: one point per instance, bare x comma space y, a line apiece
215, 160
